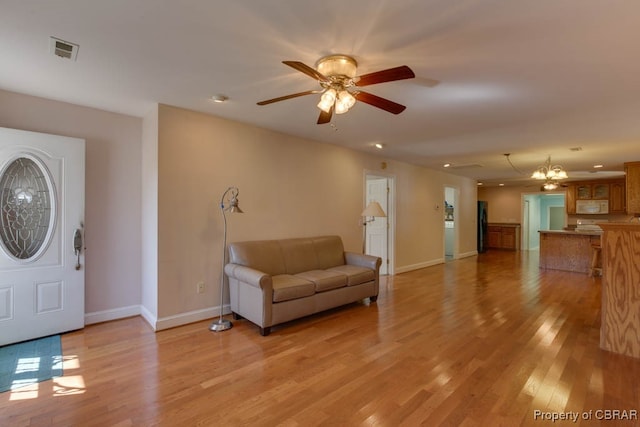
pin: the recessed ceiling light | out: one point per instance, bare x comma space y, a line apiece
379, 146
501, 185
446, 165
479, 183
219, 98
598, 166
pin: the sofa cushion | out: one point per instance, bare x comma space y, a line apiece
355, 274
324, 280
287, 287
299, 255
329, 251
262, 255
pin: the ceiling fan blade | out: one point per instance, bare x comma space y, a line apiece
304, 68
325, 117
382, 103
293, 95
392, 74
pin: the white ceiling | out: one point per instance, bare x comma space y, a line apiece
531, 78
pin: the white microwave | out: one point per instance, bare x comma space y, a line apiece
592, 207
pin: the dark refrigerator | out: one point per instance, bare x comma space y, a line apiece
483, 236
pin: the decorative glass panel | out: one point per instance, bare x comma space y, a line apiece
25, 203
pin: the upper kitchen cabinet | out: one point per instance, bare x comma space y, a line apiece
611, 190
592, 191
617, 202
632, 169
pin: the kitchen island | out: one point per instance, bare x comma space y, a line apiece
620, 328
567, 250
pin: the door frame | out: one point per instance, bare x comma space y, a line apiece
391, 213
456, 212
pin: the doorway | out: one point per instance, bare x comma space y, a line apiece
541, 211
450, 229
378, 234
556, 217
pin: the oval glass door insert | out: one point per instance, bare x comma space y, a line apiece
26, 216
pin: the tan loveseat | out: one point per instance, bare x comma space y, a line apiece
275, 281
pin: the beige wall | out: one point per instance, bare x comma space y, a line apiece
288, 187
505, 203
153, 225
112, 185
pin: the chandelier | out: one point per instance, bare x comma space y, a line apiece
547, 171
550, 174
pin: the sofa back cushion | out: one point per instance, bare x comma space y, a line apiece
329, 251
299, 255
289, 256
262, 255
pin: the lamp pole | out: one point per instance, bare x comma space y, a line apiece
232, 206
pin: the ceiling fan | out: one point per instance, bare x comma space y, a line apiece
340, 85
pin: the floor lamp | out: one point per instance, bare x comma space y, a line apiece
231, 207
368, 215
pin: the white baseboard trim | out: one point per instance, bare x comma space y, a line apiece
189, 317
156, 323
114, 314
467, 254
149, 317
418, 266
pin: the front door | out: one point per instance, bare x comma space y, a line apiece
41, 217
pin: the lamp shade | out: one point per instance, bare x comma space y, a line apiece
373, 209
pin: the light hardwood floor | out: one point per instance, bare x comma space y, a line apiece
486, 340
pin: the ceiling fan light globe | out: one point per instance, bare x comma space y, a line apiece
324, 106
346, 98
341, 107
327, 100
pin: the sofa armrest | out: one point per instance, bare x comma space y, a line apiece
249, 275
362, 260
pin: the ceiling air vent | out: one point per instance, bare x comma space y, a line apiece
63, 49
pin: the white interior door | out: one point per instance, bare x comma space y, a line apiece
376, 239
41, 207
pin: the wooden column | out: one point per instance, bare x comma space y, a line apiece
620, 329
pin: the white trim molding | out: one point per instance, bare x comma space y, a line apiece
114, 314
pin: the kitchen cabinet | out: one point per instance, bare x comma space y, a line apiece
632, 189
620, 324
612, 190
617, 202
570, 199
504, 236
592, 191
